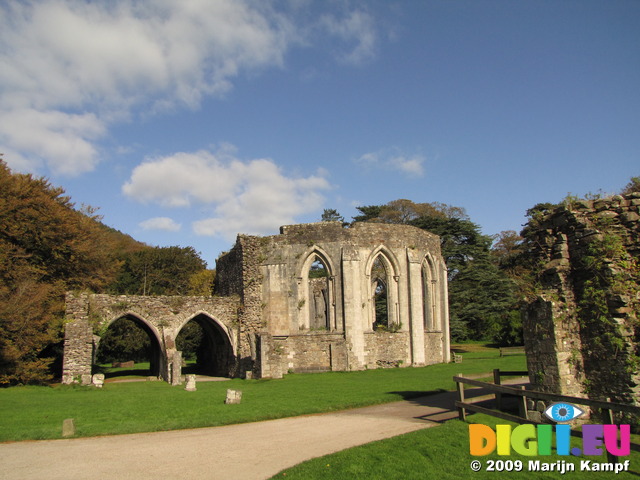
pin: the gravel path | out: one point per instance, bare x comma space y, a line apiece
247, 451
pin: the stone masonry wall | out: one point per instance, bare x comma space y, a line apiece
387, 349
281, 301
581, 333
89, 315
270, 317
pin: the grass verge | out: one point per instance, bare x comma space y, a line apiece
31, 413
441, 453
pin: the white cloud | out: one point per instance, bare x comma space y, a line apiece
253, 197
161, 223
64, 139
80, 66
356, 27
409, 165
393, 159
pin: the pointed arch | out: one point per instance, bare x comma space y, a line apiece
316, 291
155, 339
139, 320
216, 351
221, 326
389, 257
431, 294
382, 273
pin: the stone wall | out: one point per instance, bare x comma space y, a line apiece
581, 332
281, 300
386, 350
162, 317
270, 316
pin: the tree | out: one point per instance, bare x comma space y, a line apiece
405, 211
122, 342
46, 247
481, 297
201, 283
370, 213
159, 271
331, 215
632, 186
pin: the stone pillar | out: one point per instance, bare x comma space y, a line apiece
78, 340
416, 308
443, 306
175, 360
270, 364
354, 303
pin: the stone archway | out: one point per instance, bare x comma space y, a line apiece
155, 351
214, 356
161, 317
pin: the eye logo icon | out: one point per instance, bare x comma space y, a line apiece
563, 412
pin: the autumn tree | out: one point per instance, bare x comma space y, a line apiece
160, 271
46, 247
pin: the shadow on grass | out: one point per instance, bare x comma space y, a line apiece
128, 373
418, 397
440, 404
110, 372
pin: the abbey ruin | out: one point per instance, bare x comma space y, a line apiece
582, 333
317, 297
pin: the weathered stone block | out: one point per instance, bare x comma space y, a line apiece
233, 396
68, 427
629, 217
190, 383
98, 380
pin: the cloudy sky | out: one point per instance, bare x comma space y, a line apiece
190, 121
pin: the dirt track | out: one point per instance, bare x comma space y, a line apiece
247, 451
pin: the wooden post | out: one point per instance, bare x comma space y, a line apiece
462, 414
523, 406
496, 380
608, 415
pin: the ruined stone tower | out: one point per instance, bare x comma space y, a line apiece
581, 333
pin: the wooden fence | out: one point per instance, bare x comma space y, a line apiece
522, 394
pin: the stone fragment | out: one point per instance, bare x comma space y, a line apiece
629, 217
68, 427
98, 380
608, 214
535, 416
233, 396
86, 379
191, 383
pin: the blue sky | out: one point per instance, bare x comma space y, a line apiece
189, 122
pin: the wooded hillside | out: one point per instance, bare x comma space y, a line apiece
48, 246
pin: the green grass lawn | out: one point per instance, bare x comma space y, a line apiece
28, 413
440, 452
